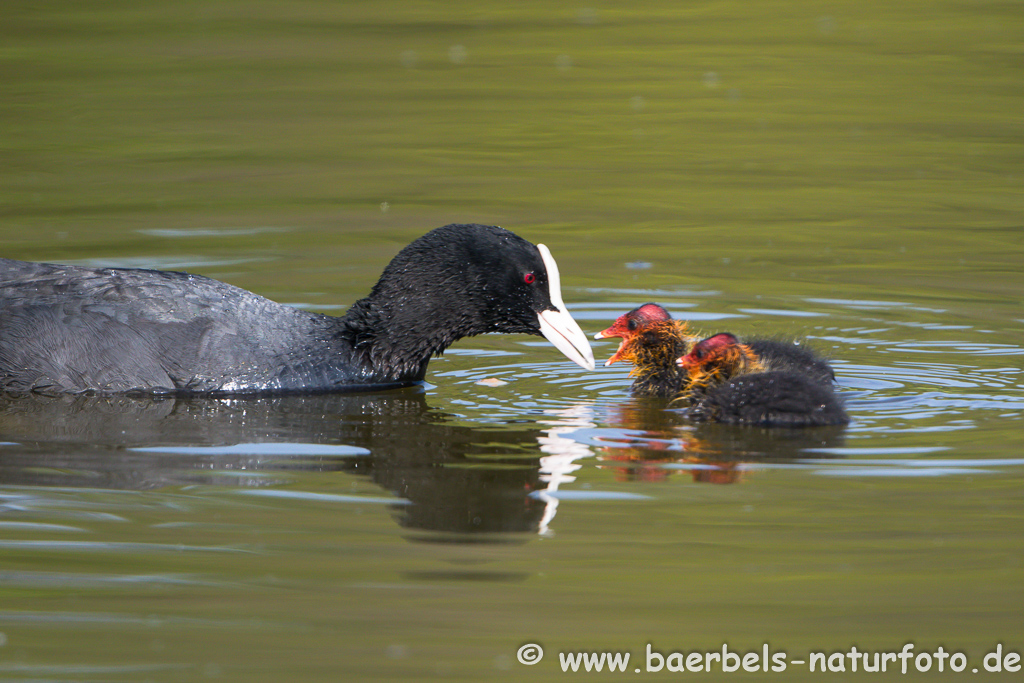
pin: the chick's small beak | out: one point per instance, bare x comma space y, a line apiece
618, 329
617, 356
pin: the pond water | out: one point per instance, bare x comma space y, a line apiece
847, 174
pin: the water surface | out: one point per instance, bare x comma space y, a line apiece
845, 175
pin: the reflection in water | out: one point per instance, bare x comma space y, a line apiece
458, 478
448, 476
651, 443
562, 453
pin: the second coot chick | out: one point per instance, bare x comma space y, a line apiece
786, 386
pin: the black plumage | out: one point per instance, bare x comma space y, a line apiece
69, 329
762, 382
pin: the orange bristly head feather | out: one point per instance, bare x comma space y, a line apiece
718, 359
634, 325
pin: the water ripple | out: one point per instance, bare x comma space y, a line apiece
321, 497
74, 580
264, 449
39, 526
588, 495
897, 471
116, 547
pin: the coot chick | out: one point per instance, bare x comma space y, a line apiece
68, 329
729, 382
717, 359
651, 341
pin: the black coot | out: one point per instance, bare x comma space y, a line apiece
67, 329
762, 382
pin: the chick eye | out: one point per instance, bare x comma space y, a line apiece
631, 325
529, 278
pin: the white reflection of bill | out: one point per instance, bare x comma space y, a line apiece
557, 467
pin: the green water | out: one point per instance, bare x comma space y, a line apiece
844, 172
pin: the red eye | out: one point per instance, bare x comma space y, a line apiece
529, 278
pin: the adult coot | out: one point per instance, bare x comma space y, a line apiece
68, 329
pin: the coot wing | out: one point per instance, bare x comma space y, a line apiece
68, 328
